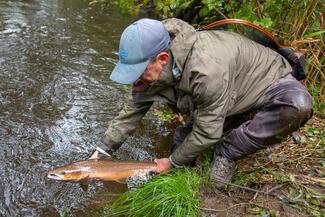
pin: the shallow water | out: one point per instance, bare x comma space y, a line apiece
56, 101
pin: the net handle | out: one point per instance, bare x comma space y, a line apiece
246, 23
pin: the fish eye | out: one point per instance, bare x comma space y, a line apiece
63, 173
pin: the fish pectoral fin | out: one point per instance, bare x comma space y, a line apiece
84, 185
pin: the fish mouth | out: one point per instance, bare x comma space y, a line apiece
55, 176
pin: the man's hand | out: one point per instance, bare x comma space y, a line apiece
163, 165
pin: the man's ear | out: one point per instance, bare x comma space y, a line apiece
163, 57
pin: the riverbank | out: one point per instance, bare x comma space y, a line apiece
295, 169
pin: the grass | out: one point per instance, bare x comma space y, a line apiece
164, 115
167, 116
172, 194
64, 213
319, 101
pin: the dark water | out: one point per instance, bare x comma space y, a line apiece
56, 100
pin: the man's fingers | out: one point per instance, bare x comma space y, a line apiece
163, 165
157, 169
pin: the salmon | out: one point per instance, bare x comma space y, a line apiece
101, 169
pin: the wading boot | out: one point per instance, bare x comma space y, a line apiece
221, 171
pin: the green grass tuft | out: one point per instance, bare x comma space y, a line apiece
173, 194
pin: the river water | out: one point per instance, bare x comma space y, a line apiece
56, 101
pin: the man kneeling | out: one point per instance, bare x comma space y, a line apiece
207, 75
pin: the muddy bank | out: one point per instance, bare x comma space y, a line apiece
293, 169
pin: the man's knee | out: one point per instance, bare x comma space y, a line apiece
303, 103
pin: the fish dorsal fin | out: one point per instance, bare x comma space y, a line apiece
94, 155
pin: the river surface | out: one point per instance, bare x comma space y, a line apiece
56, 101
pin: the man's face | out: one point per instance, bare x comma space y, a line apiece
152, 72
154, 69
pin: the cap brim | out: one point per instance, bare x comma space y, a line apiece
128, 73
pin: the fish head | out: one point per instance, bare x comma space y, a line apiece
68, 174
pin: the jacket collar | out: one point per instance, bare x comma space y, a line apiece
183, 38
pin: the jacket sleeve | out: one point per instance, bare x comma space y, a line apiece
124, 124
211, 101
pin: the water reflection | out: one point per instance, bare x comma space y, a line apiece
56, 100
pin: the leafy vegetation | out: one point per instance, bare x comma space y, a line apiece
319, 102
165, 115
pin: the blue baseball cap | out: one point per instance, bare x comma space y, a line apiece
140, 42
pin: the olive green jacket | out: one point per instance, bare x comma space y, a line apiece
223, 74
